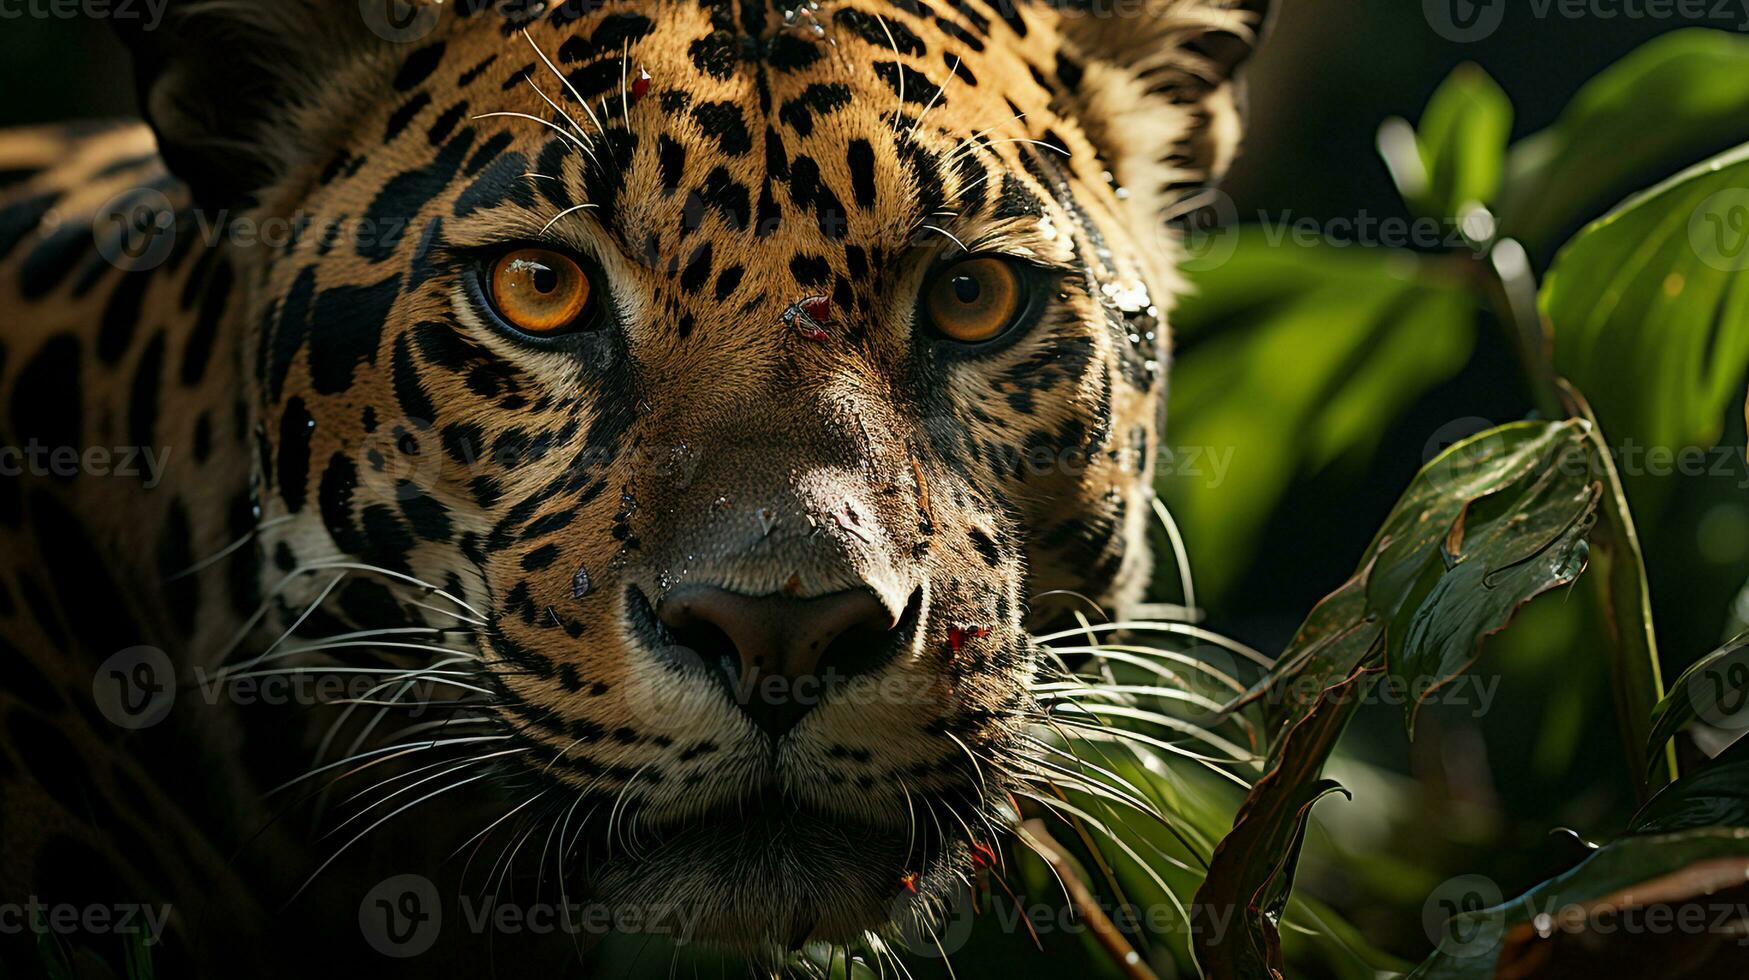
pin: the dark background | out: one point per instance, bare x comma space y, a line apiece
1332, 71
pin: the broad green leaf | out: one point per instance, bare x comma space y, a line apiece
1675, 100
1574, 925
1300, 352
1463, 136
1715, 691
1649, 307
1715, 795
1515, 501
1502, 551
1686, 859
1635, 675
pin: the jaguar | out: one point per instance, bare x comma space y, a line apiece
615, 449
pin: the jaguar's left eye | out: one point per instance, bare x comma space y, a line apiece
541, 292
976, 299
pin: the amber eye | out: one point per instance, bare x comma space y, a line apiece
540, 292
975, 300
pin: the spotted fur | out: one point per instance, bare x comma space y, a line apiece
353, 448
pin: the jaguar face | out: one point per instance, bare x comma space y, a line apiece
741, 378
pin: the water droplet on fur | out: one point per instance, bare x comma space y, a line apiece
580, 583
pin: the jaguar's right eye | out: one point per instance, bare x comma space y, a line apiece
542, 293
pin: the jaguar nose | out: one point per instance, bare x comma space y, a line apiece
781, 652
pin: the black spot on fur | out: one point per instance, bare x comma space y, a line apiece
147, 385
671, 160
47, 265
48, 400
406, 195
403, 116
295, 429
415, 403
820, 98
882, 32
860, 158
727, 281
418, 67
121, 315
723, 122
715, 54
809, 270
199, 350
908, 83
350, 324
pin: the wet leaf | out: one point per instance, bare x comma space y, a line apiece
1513, 504
1715, 691
1684, 890
1649, 307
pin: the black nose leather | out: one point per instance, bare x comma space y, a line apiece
782, 654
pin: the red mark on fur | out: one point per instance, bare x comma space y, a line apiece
983, 855
809, 317
958, 635
909, 881
640, 85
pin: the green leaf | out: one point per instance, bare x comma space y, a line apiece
1503, 550
1462, 137
1716, 795
1297, 353
1515, 500
1649, 307
1686, 859
1635, 676
1576, 924
1675, 100
1714, 691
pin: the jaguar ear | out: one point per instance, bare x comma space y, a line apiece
1160, 92
238, 91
